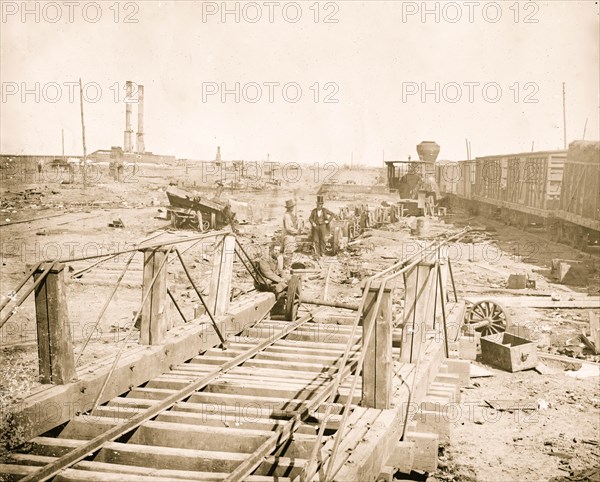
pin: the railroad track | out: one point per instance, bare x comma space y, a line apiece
251, 412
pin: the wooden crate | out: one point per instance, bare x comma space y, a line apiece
511, 352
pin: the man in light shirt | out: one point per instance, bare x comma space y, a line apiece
289, 232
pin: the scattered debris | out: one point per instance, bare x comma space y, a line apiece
513, 405
593, 342
543, 369
477, 371
587, 370
517, 281
117, 223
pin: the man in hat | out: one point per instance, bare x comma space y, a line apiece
320, 218
289, 231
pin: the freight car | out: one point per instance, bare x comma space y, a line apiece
557, 189
520, 189
577, 219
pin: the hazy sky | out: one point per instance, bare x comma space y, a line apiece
374, 60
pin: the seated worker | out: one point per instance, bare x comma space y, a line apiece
270, 274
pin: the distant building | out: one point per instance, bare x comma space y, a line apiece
104, 155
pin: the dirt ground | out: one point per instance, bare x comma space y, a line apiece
557, 439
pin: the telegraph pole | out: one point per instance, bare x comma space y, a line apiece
83, 136
564, 95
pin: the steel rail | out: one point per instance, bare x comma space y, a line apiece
54, 468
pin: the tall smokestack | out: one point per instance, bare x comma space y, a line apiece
128, 141
141, 148
218, 158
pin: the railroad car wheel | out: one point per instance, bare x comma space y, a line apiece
487, 317
292, 303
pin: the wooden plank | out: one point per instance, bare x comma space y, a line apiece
377, 367
55, 349
277, 356
169, 457
282, 392
154, 313
280, 467
219, 291
218, 439
99, 467
541, 302
30, 459
298, 349
306, 366
43, 330
74, 475
251, 420
417, 299
53, 447
171, 474
262, 372
363, 452
88, 427
595, 330
12, 472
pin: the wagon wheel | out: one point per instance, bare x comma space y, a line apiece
292, 303
487, 317
205, 226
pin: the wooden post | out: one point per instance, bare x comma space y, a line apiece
377, 368
420, 285
55, 349
154, 315
222, 272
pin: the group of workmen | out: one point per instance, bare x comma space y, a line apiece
272, 272
320, 218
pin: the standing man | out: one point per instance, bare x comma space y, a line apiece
320, 218
290, 230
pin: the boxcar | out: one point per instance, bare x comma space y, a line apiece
447, 176
577, 220
520, 188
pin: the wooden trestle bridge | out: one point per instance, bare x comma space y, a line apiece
237, 395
